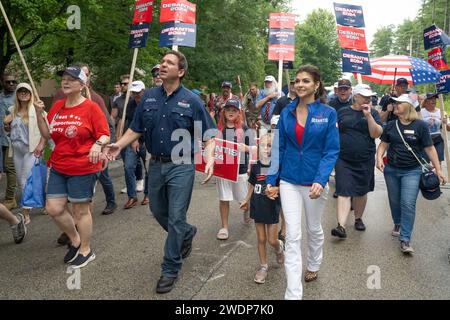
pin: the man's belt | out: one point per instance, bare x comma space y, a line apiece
161, 159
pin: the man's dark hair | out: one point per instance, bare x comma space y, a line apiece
182, 61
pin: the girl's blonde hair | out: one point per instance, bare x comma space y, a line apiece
411, 113
16, 107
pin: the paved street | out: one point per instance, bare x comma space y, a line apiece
129, 250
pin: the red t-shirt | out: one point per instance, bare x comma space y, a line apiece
74, 131
299, 130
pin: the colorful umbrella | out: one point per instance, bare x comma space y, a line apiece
387, 69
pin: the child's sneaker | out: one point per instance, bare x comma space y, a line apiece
261, 275
280, 254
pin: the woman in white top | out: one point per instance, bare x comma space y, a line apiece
432, 116
26, 139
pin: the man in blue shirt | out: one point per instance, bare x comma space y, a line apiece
169, 117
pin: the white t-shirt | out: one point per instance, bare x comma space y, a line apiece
433, 119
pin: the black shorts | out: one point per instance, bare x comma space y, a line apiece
266, 211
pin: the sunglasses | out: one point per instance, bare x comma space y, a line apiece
11, 82
156, 74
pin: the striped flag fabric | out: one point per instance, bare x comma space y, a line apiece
388, 68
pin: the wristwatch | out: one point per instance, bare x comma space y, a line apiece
99, 143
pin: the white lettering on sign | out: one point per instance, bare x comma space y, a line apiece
74, 20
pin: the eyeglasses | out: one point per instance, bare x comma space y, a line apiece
124, 83
11, 81
156, 74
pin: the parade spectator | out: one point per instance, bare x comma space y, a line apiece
267, 100
211, 106
304, 152
171, 173
333, 93
221, 100
249, 105
263, 210
16, 222
79, 130
232, 128
9, 84
432, 116
387, 104
156, 78
343, 96
359, 126
112, 98
403, 171
26, 140
283, 102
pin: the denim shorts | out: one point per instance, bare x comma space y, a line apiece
77, 189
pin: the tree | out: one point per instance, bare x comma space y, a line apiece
317, 44
383, 41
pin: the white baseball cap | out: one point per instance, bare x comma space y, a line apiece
137, 86
364, 90
269, 79
404, 98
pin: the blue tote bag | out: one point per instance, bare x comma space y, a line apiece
33, 195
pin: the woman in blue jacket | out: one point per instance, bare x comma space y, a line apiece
305, 150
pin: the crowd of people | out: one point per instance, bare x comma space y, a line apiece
302, 136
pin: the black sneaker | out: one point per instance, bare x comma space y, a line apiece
186, 249
82, 261
110, 208
339, 232
19, 230
359, 225
71, 253
63, 240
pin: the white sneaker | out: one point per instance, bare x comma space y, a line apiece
139, 185
124, 190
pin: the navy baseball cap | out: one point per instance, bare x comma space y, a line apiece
77, 73
227, 84
430, 186
431, 95
401, 82
233, 103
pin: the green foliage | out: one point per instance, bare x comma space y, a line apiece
382, 42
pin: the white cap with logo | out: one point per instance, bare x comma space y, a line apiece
364, 90
404, 98
137, 86
269, 79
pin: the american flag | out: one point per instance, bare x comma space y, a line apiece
387, 69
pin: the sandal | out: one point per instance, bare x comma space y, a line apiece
311, 276
222, 234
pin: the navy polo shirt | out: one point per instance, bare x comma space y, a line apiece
159, 115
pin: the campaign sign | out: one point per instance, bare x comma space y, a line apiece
143, 12
139, 36
435, 37
178, 34
443, 86
436, 58
282, 36
356, 62
349, 15
282, 21
178, 10
282, 52
226, 160
352, 38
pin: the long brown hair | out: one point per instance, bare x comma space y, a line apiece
317, 77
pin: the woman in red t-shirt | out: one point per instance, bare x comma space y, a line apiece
80, 131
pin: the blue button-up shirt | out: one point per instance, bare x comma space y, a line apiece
6, 101
159, 116
272, 102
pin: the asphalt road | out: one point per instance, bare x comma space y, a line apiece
129, 250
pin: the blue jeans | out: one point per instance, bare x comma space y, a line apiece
133, 168
108, 187
170, 193
403, 189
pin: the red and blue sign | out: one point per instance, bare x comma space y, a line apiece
443, 86
349, 15
436, 58
282, 36
282, 21
283, 52
352, 38
356, 62
435, 37
178, 11
139, 36
178, 34
143, 12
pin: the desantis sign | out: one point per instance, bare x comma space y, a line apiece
226, 160
139, 36
436, 58
178, 34
435, 37
178, 11
443, 86
349, 15
352, 38
282, 52
143, 13
282, 36
282, 21
356, 62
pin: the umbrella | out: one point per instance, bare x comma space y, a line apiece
387, 69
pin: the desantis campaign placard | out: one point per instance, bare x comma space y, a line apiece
178, 10
435, 37
143, 12
352, 38
443, 86
139, 36
282, 36
349, 15
436, 58
282, 21
283, 52
226, 164
356, 62
178, 34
